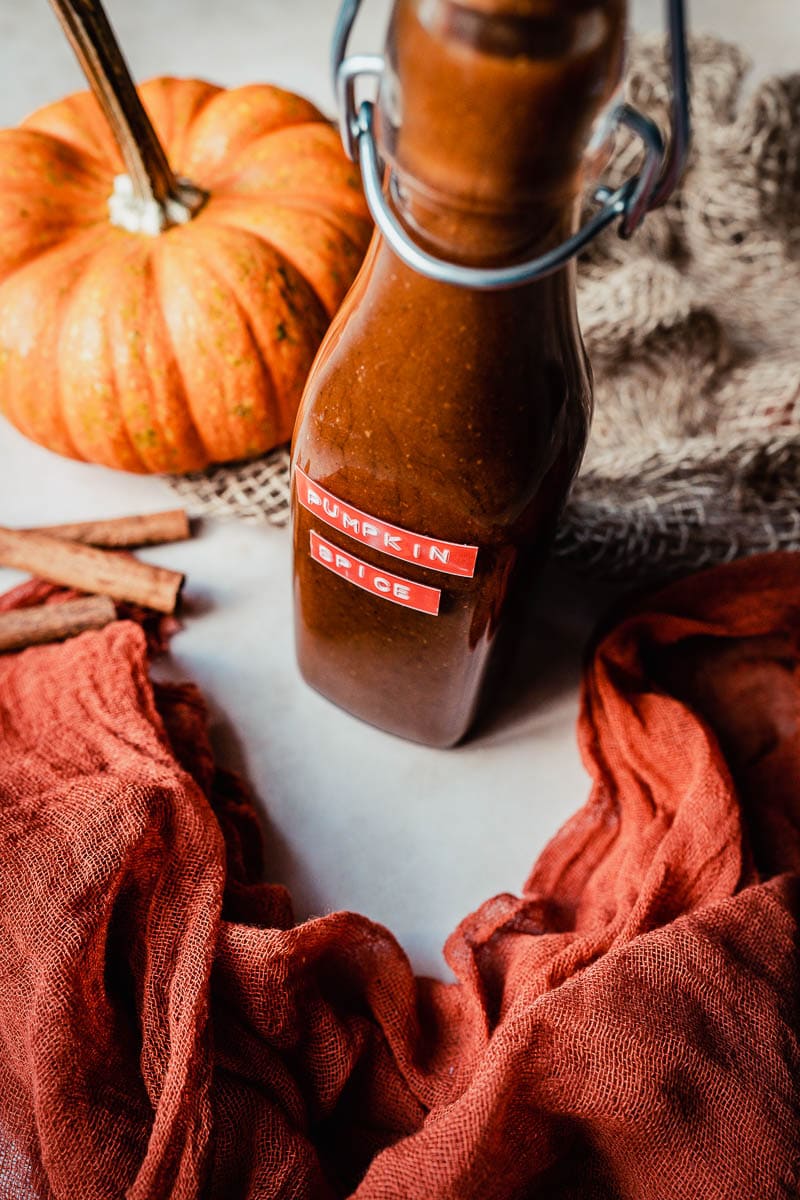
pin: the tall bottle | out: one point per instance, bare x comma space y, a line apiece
441, 426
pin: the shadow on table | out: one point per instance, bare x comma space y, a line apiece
536, 689
281, 864
542, 666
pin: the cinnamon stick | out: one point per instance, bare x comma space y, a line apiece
148, 529
89, 570
54, 622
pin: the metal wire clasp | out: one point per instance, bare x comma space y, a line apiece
630, 203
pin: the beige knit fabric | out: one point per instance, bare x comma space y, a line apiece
692, 328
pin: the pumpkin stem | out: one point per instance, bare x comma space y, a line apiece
150, 197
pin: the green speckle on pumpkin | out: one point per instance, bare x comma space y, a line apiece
146, 437
280, 332
243, 410
284, 274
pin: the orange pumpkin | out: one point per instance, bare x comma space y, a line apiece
166, 351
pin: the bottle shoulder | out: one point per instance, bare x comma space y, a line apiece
449, 460
429, 399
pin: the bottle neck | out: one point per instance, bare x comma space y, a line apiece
486, 112
480, 237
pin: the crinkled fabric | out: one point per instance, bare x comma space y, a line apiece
625, 1027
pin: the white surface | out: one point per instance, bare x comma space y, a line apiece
355, 818
286, 41
414, 838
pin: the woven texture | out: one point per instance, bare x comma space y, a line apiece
694, 456
625, 1029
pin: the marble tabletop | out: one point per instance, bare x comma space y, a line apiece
414, 838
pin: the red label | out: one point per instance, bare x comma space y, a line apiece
378, 583
450, 557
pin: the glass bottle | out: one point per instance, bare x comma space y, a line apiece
442, 426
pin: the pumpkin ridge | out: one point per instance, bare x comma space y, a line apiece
197, 156
101, 170
110, 358
72, 177
179, 373
233, 163
55, 242
124, 413
286, 407
258, 352
274, 392
191, 443
299, 199
286, 254
289, 202
95, 232
269, 396
320, 144
281, 254
85, 139
168, 84
277, 250
67, 250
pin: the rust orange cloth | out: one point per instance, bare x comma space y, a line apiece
626, 1027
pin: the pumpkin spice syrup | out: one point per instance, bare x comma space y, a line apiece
443, 425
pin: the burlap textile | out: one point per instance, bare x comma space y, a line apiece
624, 1029
692, 328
